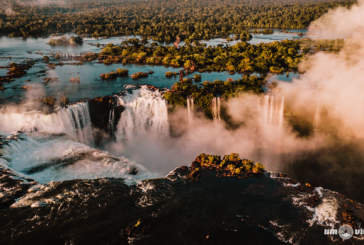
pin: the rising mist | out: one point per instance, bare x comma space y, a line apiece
328, 96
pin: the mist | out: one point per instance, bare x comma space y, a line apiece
7, 5
333, 83
328, 97
317, 138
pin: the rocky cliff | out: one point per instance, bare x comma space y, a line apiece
213, 201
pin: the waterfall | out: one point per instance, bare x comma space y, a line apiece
273, 110
111, 124
216, 108
266, 108
190, 109
78, 117
270, 136
281, 113
316, 118
145, 113
73, 121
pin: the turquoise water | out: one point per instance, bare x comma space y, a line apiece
92, 86
19, 50
36, 48
285, 77
90, 83
277, 35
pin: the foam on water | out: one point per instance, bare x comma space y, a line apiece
145, 113
61, 159
325, 213
73, 121
59, 146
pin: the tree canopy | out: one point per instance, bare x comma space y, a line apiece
161, 20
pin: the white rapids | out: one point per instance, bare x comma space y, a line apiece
145, 113
60, 146
73, 121
58, 159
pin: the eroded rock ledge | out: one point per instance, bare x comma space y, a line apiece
214, 201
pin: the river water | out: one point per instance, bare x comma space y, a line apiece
60, 145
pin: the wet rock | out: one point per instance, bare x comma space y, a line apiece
49, 101
133, 171
12, 186
213, 209
46, 59
51, 66
88, 57
47, 80
17, 70
100, 111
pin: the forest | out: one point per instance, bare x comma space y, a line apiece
160, 20
204, 93
275, 57
170, 33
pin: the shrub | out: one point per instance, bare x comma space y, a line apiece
139, 75
197, 78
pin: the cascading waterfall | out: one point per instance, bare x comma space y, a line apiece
272, 117
190, 109
316, 118
266, 109
73, 121
281, 113
111, 124
273, 110
145, 113
216, 108
81, 123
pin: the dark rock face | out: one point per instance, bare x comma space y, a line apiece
12, 187
100, 114
341, 168
178, 209
100, 110
16, 70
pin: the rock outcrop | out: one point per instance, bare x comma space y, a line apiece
101, 109
201, 204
